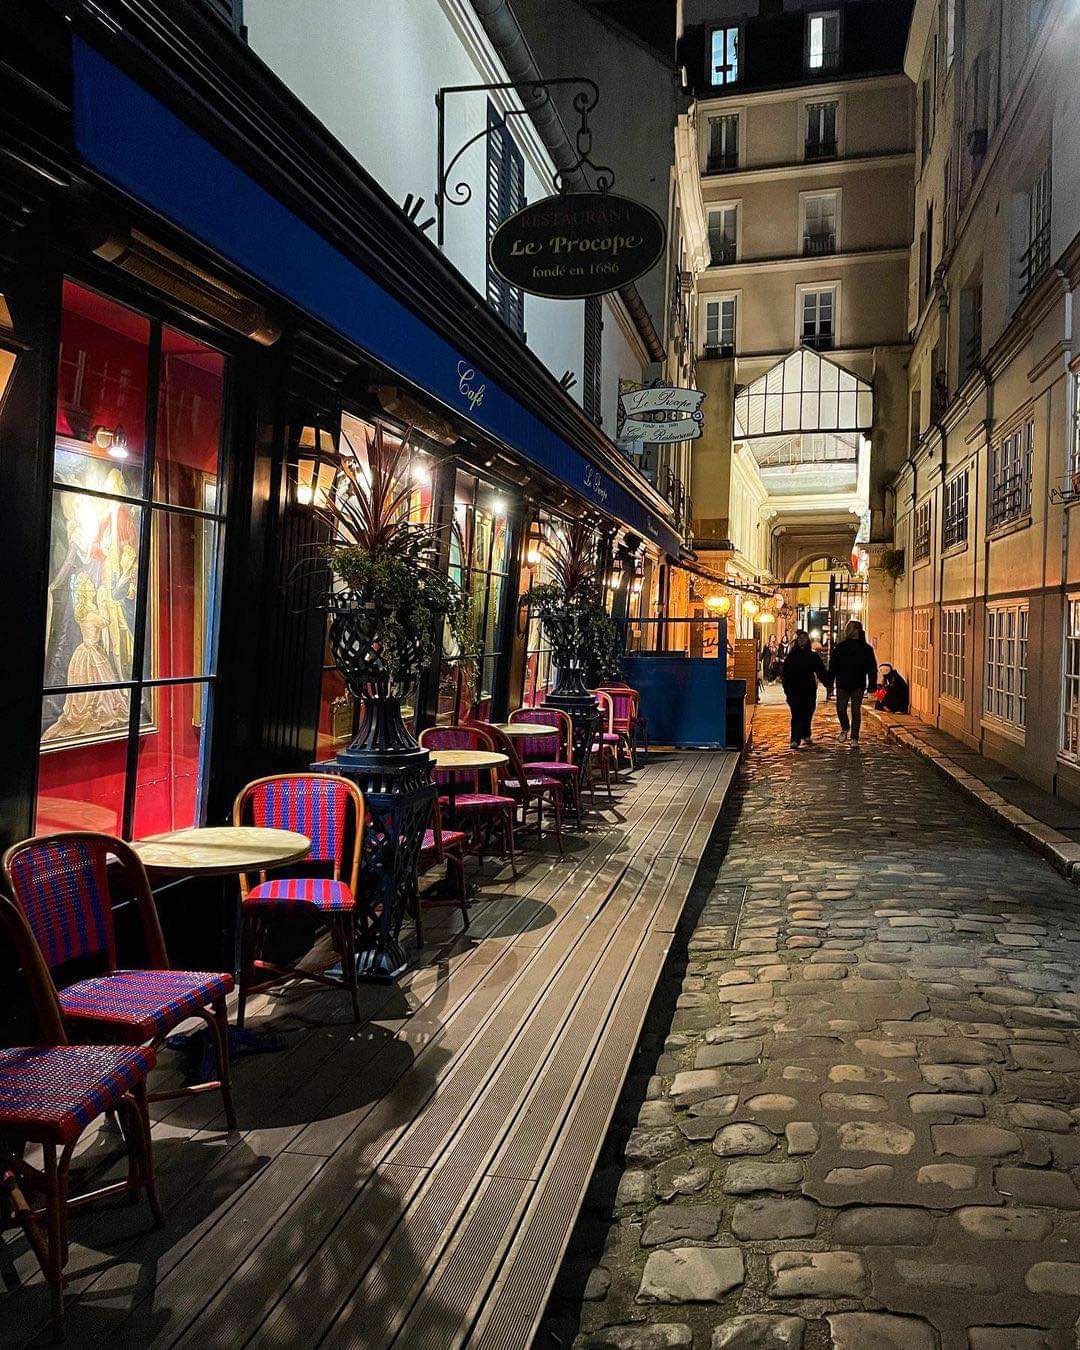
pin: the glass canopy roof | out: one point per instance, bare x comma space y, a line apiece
803, 393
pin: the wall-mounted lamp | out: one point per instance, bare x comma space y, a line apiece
534, 551
719, 604
10, 349
419, 473
750, 607
316, 469
112, 440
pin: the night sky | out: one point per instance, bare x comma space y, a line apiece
651, 20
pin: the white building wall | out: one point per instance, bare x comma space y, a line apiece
369, 71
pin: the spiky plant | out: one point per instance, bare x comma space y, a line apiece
391, 601
570, 606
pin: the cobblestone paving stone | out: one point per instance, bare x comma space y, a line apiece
857, 1121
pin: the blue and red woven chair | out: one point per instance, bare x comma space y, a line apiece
330, 811
627, 721
50, 1092
461, 792
61, 882
605, 746
441, 845
530, 787
548, 752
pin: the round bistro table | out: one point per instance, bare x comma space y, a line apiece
460, 761
223, 851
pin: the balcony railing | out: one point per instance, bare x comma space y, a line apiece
722, 251
715, 350
954, 527
821, 149
818, 242
1010, 498
1035, 259
819, 342
722, 162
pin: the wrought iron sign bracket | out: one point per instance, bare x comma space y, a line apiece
534, 95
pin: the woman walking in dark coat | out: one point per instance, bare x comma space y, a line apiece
803, 668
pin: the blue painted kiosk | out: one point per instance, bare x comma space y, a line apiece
688, 701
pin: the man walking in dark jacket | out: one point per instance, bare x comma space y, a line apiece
803, 668
853, 670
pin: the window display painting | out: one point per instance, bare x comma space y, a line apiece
93, 578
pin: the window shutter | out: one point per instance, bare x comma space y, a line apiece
505, 195
592, 384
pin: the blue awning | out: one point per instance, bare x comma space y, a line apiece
135, 142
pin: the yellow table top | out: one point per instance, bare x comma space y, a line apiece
221, 849
525, 729
467, 759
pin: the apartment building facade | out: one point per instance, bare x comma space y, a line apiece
987, 605
797, 147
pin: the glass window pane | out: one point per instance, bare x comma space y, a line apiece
337, 714
188, 444
169, 776
81, 786
181, 617
90, 619
101, 384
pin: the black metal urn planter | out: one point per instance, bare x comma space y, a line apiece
389, 603
581, 633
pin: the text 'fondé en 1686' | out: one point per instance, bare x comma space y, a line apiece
577, 244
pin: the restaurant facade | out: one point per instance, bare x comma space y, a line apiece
205, 293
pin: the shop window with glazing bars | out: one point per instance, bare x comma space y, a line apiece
920, 655
821, 130
1010, 476
920, 539
954, 511
137, 517
725, 55
1006, 663
505, 196
591, 385
1070, 702
723, 153
953, 643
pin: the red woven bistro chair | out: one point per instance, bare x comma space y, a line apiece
624, 717
50, 1093
61, 884
483, 809
321, 806
439, 846
548, 752
530, 787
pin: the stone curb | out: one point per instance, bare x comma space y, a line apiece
1060, 851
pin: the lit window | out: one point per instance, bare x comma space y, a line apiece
1006, 663
724, 55
823, 40
130, 646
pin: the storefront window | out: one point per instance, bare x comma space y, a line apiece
338, 714
133, 573
479, 562
539, 669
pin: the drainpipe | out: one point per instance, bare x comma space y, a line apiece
505, 35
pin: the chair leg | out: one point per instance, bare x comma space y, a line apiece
53, 1263
348, 958
141, 1120
556, 807
508, 840
575, 788
458, 864
219, 1025
414, 908
247, 965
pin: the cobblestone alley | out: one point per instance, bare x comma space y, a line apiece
857, 1119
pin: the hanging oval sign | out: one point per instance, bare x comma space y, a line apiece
577, 244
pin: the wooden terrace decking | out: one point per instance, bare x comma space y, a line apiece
412, 1181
